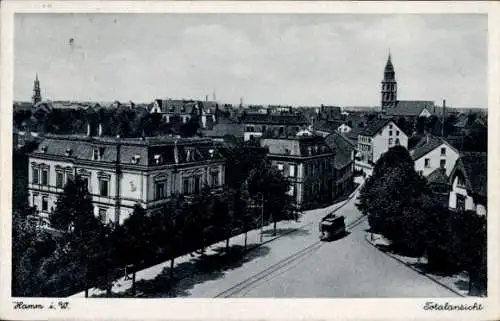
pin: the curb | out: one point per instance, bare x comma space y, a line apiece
417, 270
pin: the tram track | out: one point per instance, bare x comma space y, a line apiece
250, 282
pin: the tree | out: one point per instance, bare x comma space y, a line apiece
74, 208
268, 182
395, 199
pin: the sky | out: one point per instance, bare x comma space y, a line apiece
287, 59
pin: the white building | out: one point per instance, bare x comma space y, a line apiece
432, 153
376, 139
469, 183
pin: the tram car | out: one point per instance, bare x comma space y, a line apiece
332, 227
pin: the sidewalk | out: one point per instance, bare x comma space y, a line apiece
253, 241
456, 283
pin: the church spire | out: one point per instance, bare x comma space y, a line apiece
389, 85
37, 97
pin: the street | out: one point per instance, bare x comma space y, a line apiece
297, 265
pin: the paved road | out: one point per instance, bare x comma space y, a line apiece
349, 267
297, 265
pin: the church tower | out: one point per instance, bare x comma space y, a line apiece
389, 86
37, 97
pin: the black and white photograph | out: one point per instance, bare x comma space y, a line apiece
249, 155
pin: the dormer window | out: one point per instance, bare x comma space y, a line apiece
287, 151
157, 159
44, 148
309, 150
211, 153
68, 152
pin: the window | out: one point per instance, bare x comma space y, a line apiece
397, 141
292, 170
460, 180
45, 203
197, 180
443, 151
397, 132
59, 179
460, 202
215, 179
442, 163
36, 176
45, 177
160, 190
291, 191
85, 180
185, 186
102, 215
280, 166
96, 154
390, 141
427, 162
390, 133
390, 126
103, 187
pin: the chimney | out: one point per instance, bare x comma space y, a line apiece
100, 130
89, 133
206, 97
444, 117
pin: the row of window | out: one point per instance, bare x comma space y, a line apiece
427, 163
364, 139
396, 141
189, 185
317, 167
390, 131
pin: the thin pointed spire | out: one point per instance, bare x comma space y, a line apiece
36, 77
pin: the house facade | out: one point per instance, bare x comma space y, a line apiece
344, 163
377, 138
432, 153
122, 172
308, 163
469, 184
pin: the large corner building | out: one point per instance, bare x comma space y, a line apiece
122, 172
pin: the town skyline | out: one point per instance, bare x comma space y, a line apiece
191, 56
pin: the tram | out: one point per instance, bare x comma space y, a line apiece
332, 227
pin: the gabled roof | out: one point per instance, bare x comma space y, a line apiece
374, 127
438, 176
343, 149
225, 129
474, 165
327, 125
411, 108
428, 144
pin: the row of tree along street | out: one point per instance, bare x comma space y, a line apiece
400, 206
86, 253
